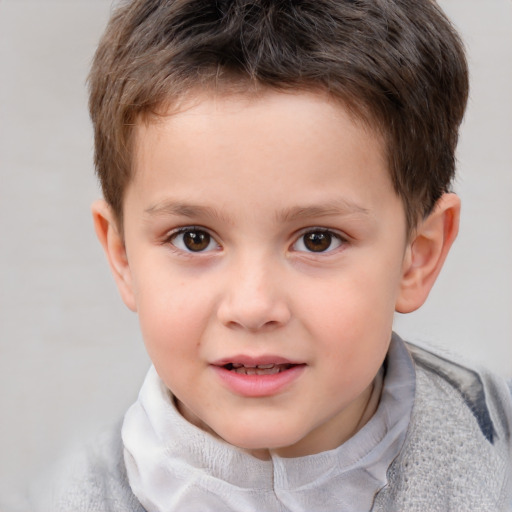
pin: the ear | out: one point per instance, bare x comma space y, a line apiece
426, 253
112, 241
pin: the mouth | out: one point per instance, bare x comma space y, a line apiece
258, 377
260, 369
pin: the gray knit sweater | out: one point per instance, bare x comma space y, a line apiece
456, 455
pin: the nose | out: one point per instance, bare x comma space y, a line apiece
254, 298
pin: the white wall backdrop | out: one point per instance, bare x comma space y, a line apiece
71, 357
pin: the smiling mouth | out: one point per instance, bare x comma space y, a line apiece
262, 369
258, 377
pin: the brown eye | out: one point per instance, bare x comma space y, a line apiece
196, 240
319, 240
193, 240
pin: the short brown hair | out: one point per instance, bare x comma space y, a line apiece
397, 64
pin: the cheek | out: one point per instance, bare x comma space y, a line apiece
350, 319
352, 304
172, 316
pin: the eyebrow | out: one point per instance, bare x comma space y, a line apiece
332, 208
167, 208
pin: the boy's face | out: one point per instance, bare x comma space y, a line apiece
265, 231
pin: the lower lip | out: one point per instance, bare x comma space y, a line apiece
258, 385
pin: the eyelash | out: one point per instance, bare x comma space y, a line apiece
323, 235
327, 234
170, 239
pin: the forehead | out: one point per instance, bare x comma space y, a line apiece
286, 144
227, 99
229, 106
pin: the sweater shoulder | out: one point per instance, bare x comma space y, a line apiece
456, 455
476, 390
92, 479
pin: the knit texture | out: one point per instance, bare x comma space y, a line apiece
447, 463
93, 480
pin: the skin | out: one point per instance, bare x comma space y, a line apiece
256, 174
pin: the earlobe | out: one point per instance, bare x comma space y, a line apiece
426, 253
107, 231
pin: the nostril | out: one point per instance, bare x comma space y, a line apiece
271, 324
252, 324
239, 310
264, 326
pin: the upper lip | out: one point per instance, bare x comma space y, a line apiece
253, 361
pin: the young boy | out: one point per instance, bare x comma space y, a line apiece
277, 178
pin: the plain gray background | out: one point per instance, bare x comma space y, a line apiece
71, 357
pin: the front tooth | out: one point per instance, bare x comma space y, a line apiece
250, 370
267, 371
266, 366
